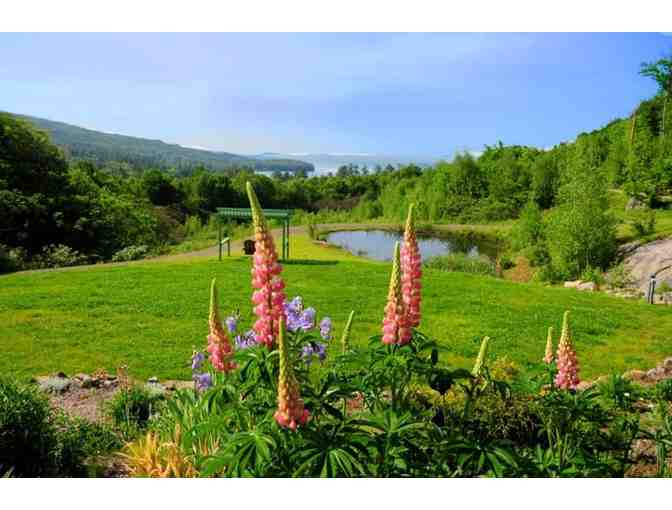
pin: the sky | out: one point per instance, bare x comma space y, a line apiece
392, 93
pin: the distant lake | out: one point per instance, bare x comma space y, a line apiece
379, 244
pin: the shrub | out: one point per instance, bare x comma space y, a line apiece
643, 222
60, 255
529, 229
36, 441
591, 274
131, 253
663, 390
619, 277
132, 407
463, 263
28, 439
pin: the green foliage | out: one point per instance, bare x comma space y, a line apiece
105, 148
619, 277
462, 262
581, 231
643, 222
36, 441
59, 256
131, 253
591, 274
132, 408
529, 229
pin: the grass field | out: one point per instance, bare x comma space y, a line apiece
149, 315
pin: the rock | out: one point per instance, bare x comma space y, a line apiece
655, 374
635, 375
581, 285
587, 286
153, 380
109, 384
667, 365
85, 380
60, 375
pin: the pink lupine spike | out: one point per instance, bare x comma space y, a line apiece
411, 271
395, 323
266, 270
219, 345
291, 411
548, 355
568, 366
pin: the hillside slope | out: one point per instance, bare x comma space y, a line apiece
81, 143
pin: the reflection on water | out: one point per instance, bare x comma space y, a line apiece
379, 244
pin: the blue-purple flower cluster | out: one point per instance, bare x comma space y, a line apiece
313, 349
298, 317
246, 340
202, 379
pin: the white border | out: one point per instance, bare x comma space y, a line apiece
341, 15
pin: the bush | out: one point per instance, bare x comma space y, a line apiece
131, 253
59, 255
529, 229
591, 274
619, 277
28, 441
644, 222
463, 263
132, 407
663, 390
36, 441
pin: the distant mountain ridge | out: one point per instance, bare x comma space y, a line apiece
88, 144
330, 162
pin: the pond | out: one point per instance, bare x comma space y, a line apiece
379, 244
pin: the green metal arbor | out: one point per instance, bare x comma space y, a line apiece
224, 213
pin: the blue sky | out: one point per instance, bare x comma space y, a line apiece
411, 94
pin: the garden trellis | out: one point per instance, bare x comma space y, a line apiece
224, 213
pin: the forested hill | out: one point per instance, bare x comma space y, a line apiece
86, 144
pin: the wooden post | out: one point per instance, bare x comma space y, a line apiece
287, 222
219, 236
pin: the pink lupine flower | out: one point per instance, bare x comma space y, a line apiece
568, 366
548, 355
395, 324
411, 271
219, 345
291, 412
269, 296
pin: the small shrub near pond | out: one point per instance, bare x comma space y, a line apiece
463, 263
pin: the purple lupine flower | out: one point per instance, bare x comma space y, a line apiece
197, 361
203, 381
247, 340
232, 323
307, 354
325, 328
298, 317
307, 320
321, 351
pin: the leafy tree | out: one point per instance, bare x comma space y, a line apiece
582, 232
661, 72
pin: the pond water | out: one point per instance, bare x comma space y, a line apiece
379, 244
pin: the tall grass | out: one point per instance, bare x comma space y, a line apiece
463, 263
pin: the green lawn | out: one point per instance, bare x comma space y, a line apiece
149, 315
